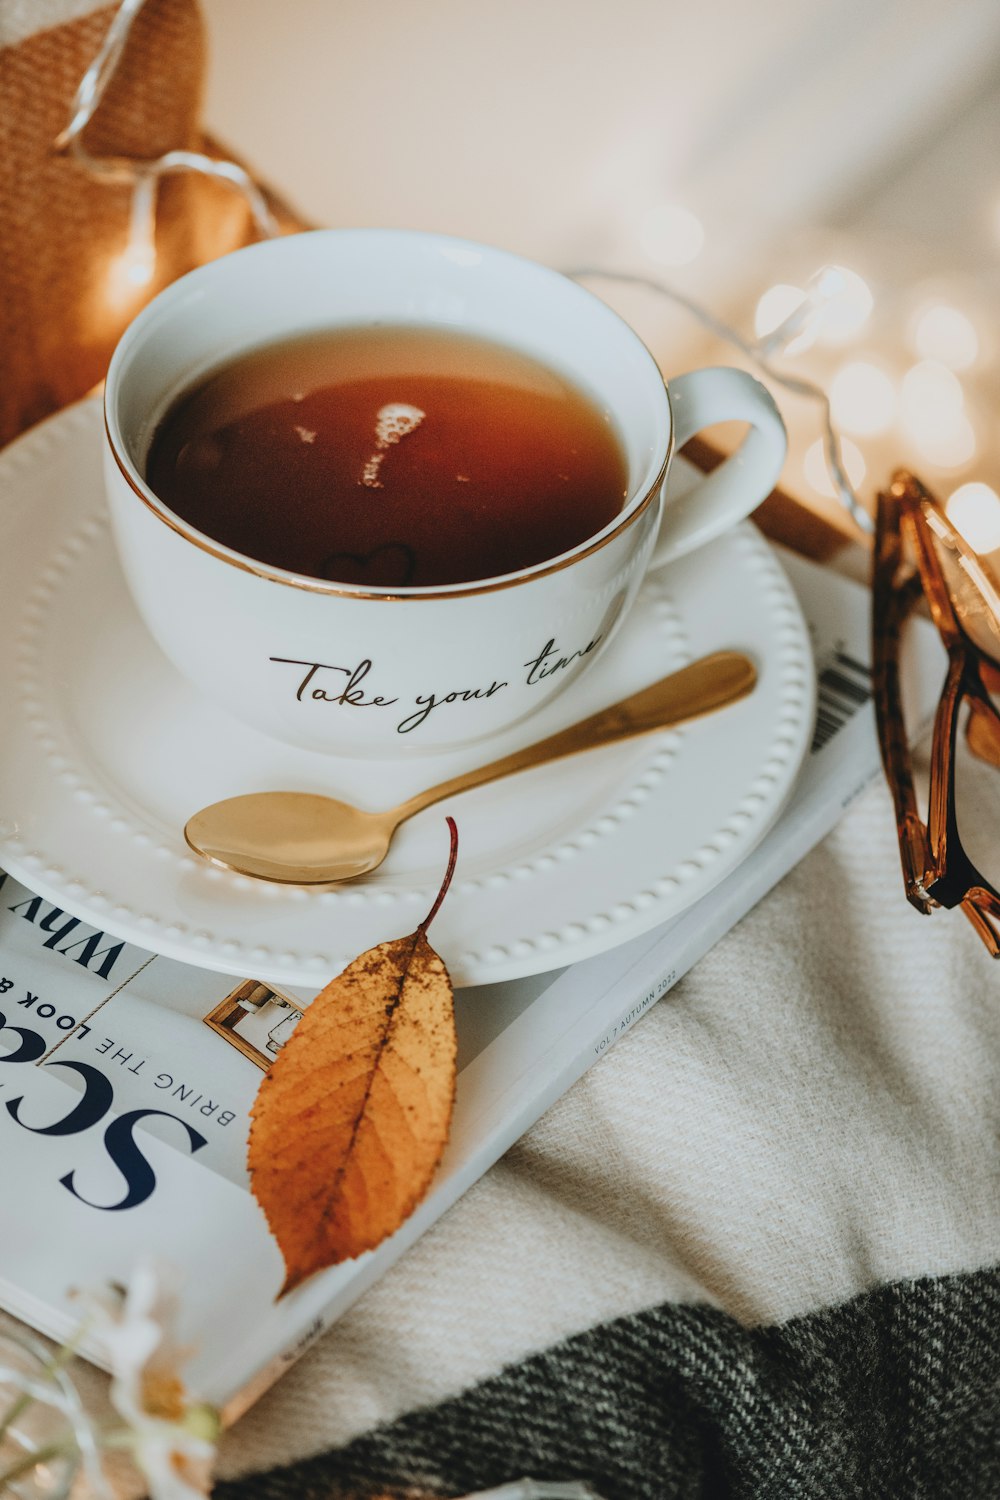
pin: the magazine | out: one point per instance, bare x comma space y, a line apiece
126, 1079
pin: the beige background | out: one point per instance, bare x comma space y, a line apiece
555, 127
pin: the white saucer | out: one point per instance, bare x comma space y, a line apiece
106, 751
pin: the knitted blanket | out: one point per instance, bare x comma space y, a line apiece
753, 1252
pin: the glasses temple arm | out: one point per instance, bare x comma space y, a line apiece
988, 931
942, 824
891, 603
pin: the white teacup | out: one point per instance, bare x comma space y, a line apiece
390, 671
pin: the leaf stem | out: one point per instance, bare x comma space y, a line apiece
449, 872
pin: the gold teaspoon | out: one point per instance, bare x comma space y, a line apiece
300, 838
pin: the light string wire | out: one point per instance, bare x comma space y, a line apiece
55, 1389
144, 175
821, 289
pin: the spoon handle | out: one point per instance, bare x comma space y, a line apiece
705, 685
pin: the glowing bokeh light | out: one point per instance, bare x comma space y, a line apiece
671, 235
817, 473
974, 510
931, 399
862, 398
951, 449
945, 334
778, 303
138, 264
932, 414
849, 307
128, 275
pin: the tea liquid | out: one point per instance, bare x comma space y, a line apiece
390, 456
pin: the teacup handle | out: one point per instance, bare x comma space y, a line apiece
699, 399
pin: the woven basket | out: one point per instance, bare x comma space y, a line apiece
62, 306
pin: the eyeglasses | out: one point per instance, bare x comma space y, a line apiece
965, 606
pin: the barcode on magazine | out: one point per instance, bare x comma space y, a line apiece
844, 686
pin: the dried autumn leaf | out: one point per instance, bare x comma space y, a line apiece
351, 1119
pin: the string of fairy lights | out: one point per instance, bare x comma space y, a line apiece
903, 354
137, 264
817, 329
825, 290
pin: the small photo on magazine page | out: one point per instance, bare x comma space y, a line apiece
256, 1019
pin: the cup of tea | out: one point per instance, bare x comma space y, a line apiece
378, 491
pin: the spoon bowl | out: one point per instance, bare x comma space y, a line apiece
303, 838
294, 838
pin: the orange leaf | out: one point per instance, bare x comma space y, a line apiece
352, 1118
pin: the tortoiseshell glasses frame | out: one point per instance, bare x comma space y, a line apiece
918, 553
